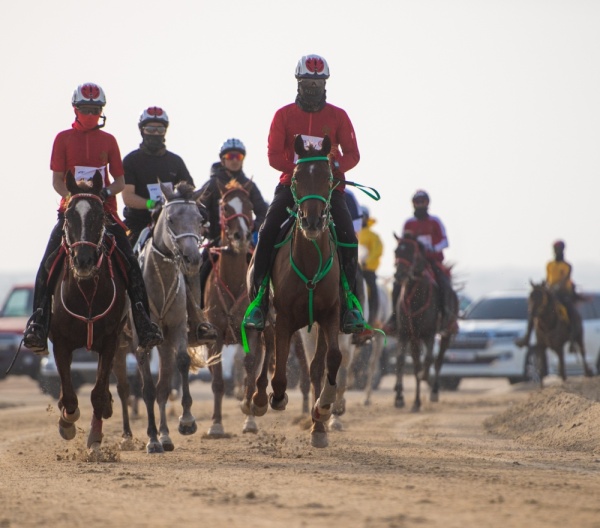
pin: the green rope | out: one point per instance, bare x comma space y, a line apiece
261, 293
316, 158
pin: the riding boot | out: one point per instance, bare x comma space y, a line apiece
149, 335
200, 331
352, 320
35, 336
205, 269
391, 326
257, 318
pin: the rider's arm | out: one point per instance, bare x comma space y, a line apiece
58, 182
347, 141
130, 199
276, 152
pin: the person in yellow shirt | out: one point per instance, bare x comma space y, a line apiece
370, 249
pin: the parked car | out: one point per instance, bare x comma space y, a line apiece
15, 312
485, 344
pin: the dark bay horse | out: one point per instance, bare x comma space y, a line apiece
552, 330
419, 319
172, 252
89, 305
226, 299
305, 280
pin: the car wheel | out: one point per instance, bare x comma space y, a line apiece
50, 386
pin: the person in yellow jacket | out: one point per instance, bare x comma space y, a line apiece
370, 249
558, 279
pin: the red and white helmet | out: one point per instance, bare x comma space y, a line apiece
312, 67
88, 94
154, 114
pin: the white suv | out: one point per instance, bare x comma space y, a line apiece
485, 344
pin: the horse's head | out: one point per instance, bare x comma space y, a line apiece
84, 225
410, 261
177, 230
312, 184
539, 298
235, 211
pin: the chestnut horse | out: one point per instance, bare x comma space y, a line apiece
226, 299
306, 289
552, 330
418, 313
89, 306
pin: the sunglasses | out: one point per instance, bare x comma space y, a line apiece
233, 156
155, 130
90, 110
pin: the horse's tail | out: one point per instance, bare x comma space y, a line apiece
199, 359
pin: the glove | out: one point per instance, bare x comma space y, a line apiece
105, 193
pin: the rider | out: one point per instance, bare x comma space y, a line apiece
230, 167
558, 279
312, 117
145, 168
83, 150
431, 233
372, 249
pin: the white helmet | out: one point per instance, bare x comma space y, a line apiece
232, 144
88, 94
312, 67
364, 211
154, 114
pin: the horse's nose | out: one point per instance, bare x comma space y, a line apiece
83, 261
237, 235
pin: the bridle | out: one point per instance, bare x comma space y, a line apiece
175, 255
70, 246
326, 215
224, 219
410, 264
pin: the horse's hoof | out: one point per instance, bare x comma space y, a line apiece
67, 430
319, 440
335, 424
434, 397
94, 448
154, 446
367, 403
415, 408
258, 411
216, 430
320, 414
246, 407
71, 418
127, 444
250, 425
399, 403
167, 443
187, 429
278, 405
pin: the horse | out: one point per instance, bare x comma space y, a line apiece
226, 298
88, 307
170, 254
418, 313
552, 330
306, 290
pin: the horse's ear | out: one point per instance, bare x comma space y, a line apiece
396, 237
97, 182
532, 283
167, 191
299, 145
326, 146
70, 183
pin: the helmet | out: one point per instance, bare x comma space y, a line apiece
312, 67
364, 211
232, 144
88, 94
559, 245
420, 194
154, 114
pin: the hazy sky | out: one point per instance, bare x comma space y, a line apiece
493, 107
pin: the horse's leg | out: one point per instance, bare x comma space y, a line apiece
149, 397
251, 360
167, 351
428, 360
260, 400
67, 403
120, 372
400, 363
415, 350
278, 398
439, 361
376, 349
100, 396
586, 369
339, 406
304, 373
187, 422
562, 371
216, 430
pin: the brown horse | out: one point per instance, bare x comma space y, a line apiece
552, 330
89, 306
419, 319
226, 299
305, 280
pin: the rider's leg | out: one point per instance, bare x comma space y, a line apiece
392, 322
276, 216
575, 323
373, 294
149, 335
352, 320
36, 334
200, 331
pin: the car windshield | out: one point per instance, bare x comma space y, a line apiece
19, 303
498, 308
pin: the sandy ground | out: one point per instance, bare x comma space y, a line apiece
489, 455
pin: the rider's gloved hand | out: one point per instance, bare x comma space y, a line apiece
105, 193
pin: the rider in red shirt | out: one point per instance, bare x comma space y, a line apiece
83, 150
313, 118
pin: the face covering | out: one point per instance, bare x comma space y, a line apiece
311, 97
421, 213
153, 143
85, 121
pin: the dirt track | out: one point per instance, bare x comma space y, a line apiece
488, 455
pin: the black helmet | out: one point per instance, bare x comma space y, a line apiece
420, 194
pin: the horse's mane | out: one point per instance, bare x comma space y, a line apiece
233, 184
184, 190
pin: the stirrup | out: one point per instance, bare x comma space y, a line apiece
35, 339
151, 338
255, 319
206, 334
353, 322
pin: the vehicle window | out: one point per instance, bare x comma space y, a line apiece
19, 303
587, 310
500, 308
596, 304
